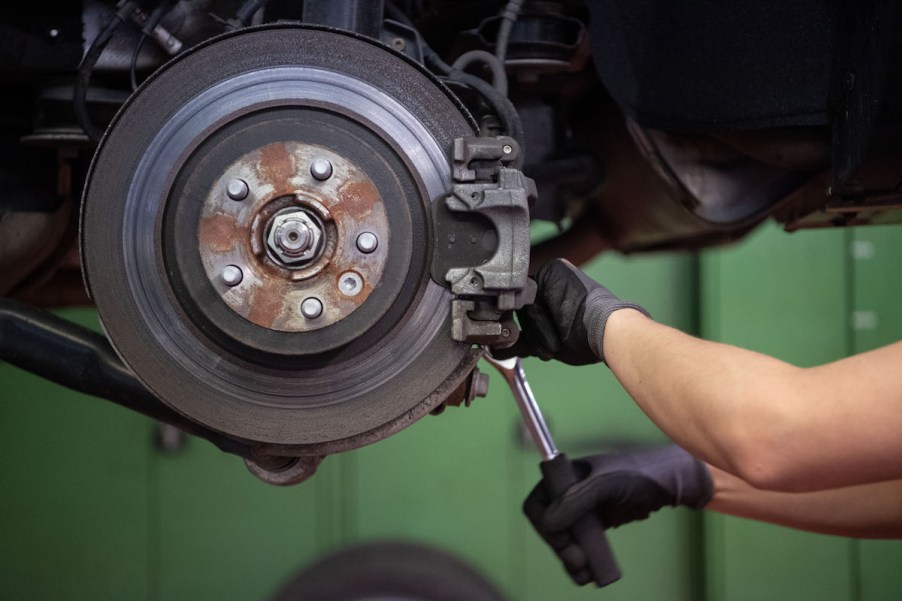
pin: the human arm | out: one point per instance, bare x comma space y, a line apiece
773, 425
864, 511
626, 487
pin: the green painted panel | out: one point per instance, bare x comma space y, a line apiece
778, 293
445, 481
876, 254
223, 534
761, 561
881, 570
876, 263
73, 492
784, 295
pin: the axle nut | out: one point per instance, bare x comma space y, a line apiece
294, 237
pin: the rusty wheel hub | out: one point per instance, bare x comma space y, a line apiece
294, 235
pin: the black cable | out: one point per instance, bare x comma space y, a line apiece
499, 75
503, 107
248, 10
86, 67
161, 10
132, 72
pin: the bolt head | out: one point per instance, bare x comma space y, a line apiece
367, 242
232, 275
507, 149
237, 189
321, 169
350, 284
294, 237
311, 307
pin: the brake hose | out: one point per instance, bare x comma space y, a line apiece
247, 11
161, 10
508, 18
503, 107
86, 67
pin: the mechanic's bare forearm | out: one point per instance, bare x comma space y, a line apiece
863, 511
772, 424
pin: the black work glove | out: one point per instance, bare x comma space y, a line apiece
567, 320
621, 488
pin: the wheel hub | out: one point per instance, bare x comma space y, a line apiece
295, 234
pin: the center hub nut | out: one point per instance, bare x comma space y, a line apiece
294, 237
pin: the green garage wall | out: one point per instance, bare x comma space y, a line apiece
807, 298
89, 509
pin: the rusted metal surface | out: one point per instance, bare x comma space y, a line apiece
236, 232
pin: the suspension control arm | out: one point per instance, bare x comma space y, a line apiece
78, 358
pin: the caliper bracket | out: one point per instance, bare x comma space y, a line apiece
487, 185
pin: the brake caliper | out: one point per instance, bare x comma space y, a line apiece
482, 240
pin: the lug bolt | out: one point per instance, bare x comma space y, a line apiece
311, 307
237, 189
321, 169
350, 283
367, 242
232, 275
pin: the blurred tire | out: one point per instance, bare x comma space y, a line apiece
389, 571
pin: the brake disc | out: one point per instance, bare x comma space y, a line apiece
256, 236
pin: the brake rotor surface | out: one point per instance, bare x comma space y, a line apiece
256, 237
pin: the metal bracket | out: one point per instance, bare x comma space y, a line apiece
487, 186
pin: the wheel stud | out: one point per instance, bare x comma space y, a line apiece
321, 169
237, 189
311, 308
232, 275
367, 242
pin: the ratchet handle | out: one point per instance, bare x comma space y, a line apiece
588, 531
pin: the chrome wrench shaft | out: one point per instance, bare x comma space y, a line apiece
559, 473
512, 371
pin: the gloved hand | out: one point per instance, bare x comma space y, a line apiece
621, 488
567, 320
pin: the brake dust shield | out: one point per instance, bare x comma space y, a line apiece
256, 235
